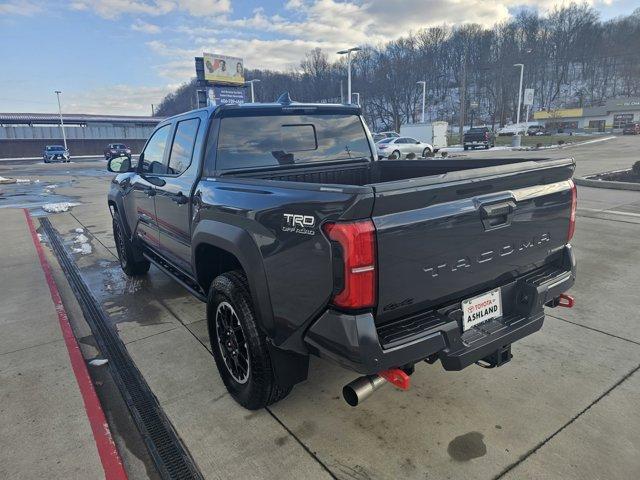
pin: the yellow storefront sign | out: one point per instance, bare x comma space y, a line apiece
560, 113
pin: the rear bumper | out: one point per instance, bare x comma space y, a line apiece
356, 343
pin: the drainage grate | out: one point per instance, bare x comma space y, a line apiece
171, 457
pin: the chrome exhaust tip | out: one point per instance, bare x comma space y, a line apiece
361, 388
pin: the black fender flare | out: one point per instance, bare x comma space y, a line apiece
239, 243
114, 199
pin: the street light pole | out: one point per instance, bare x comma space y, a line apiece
516, 138
251, 82
64, 137
348, 52
424, 96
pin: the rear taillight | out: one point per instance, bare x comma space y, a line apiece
357, 251
486, 135
574, 206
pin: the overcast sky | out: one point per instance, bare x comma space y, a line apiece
118, 56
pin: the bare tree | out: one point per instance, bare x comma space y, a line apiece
571, 58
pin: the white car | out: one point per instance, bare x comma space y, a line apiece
513, 129
403, 147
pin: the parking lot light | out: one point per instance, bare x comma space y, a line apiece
251, 82
516, 138
64, 137
348, 53
424, 95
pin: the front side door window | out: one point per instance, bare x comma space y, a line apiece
153, 154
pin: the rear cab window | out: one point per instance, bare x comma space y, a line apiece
182, 148
273, 140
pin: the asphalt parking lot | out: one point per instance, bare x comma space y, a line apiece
565, 407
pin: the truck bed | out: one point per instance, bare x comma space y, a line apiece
368, 173
447, 229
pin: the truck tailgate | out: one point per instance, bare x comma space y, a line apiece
447, 237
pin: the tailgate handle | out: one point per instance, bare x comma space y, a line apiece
497, 214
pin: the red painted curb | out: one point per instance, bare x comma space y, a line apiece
109, 456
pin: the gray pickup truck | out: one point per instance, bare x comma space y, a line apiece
280, 217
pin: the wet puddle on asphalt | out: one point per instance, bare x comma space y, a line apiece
33, 192
33, 195
124, 300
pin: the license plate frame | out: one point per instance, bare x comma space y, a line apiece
481, 308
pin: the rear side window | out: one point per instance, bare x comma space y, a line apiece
182, 148
263, 141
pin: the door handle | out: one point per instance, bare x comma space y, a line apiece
497, 214
179, 198
498, 209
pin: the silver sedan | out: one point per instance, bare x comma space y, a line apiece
403, 147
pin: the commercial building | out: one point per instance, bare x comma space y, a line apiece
26, 134
613, 114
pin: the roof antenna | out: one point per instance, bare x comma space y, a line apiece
284, 99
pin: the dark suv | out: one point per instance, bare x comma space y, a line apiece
117, 150
631, 129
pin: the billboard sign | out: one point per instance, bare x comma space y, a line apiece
229, 95
223, 69
528, 96
221, 95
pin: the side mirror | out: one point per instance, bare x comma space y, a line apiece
119, 165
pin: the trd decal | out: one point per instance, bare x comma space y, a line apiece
296, 223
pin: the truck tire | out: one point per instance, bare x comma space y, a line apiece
130, 266
238, 346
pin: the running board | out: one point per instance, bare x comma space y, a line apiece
192, 287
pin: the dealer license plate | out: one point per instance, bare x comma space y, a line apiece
480, 309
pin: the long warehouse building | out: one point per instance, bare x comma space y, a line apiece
26, 134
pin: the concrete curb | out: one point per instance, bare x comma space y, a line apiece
587, 181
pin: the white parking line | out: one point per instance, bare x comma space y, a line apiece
595, 140
617, 212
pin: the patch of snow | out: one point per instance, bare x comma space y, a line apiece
4, 180
97, 362
501, 148
23, 180
84, 249
81, 243
79, 230
80, 239
58, 207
